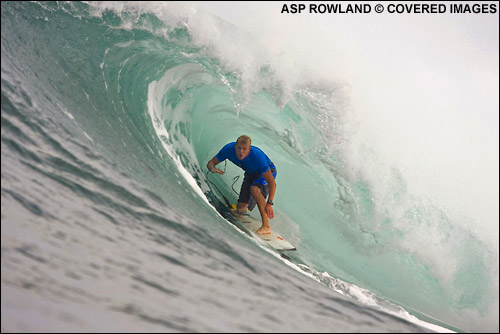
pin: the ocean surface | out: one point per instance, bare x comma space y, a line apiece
110, 222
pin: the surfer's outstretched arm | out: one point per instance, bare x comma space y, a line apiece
211, 166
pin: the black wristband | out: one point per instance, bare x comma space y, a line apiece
270, 202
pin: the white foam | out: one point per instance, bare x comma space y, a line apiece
155, 95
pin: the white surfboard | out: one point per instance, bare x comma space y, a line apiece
274, 239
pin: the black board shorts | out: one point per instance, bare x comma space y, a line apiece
254, 180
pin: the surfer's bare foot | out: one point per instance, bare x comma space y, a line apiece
263, 230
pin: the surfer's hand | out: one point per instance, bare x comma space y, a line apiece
269, 211
218, 171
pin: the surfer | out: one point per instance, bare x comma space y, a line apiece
260, 173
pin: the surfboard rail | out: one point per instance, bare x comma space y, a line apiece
273, 239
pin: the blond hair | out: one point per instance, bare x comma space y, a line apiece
244, 140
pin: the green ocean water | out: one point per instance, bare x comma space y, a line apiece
109, 116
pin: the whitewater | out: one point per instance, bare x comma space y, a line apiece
385, 140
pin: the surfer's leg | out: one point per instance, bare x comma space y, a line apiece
242, 207
261, 204
245, 201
